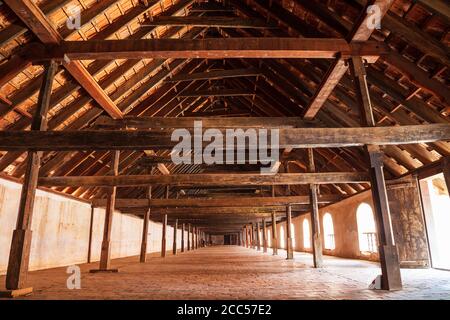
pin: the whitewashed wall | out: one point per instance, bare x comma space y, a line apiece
61, 230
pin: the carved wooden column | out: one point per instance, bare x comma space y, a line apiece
289, 245
19, 256
182, 236
143, 257
105, 256
175, 231
274, 234
264, 235
315, 220
389, 260
164, 236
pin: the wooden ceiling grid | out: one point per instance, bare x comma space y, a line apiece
409, 86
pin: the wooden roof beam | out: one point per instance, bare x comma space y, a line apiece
215, 75
212, 48
288, 138
207, 122
207, 179
361, 32
211, 22
202, 203
38, 23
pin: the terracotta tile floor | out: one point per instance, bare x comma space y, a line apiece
236, 273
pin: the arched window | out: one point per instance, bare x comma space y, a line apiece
282, 241
367, 232
306, 234
328, 230
293, 235
269, 238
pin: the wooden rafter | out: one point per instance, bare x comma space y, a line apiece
36, 20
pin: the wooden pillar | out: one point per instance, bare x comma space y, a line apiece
446, 171
146, 220
189, 238
258, 238
289, 245
91, 228
253, 238
274, 234
315, 220
264, 234
19, 256
182, 236
175, 231
193, 238
105, 255
389, 260
196, 238
164, 237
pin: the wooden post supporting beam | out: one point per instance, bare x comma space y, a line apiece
258, 237
315, 220
183, 230
189, 238
143, 257
446, 171
193, 238
274, 235
175, 231
164, 237
389, 260
105, 255
289, 243
264, 235
19, 256
91, 229
253, 236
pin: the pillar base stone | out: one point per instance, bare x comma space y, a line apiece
16, 293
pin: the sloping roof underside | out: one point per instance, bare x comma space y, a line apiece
417, 33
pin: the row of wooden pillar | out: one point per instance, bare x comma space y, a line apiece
389, 260
21, 241
19, 256
251, 235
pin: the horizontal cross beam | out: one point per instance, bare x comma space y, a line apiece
207, 179
206, 122
216, 93
211, 22
200, 202
215, 75
288, 138
214, 48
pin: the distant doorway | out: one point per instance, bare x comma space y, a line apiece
436, 204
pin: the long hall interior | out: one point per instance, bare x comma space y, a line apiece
224, 149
